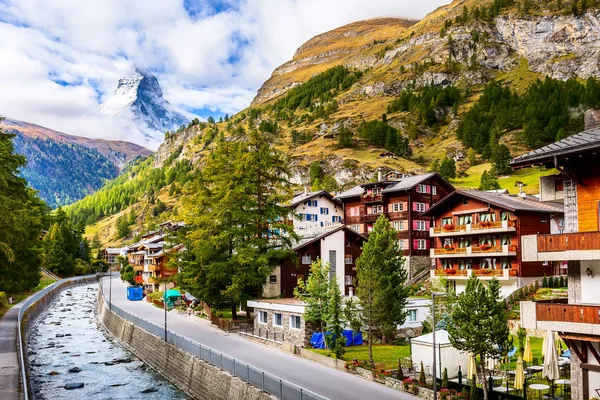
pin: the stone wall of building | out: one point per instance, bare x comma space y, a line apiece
196, 377
284, 333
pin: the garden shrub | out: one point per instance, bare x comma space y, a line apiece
445, 379
422, 379
3, 300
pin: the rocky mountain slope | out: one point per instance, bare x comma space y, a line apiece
140, 95
405, 90
65, 168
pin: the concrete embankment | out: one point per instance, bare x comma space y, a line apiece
189, 373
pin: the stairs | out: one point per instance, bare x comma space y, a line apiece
50, 274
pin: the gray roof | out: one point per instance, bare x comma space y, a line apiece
394, 186
303, 197
513, 202
309, 235
581, 142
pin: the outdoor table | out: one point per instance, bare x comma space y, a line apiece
539, 387
536, 369
501, 389
563, 382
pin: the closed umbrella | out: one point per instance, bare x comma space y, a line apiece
558, 345
472, 367
550, 370
528, 356
519, 374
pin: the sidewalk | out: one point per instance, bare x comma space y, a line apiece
310, 375
9, 356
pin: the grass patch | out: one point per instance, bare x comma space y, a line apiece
385, 355
529, 176
18, 297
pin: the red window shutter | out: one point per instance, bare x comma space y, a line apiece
428, 188
426, 206
427, 225
415, 244
414, 208
415, 225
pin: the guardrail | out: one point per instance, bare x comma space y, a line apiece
269, 383
26, 305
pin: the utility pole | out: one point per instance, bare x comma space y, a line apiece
109, 288
433, 345
165, 304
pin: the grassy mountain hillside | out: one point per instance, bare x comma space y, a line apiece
472, 81
65, 168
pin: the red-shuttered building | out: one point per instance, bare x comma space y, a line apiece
404, 200
479, 233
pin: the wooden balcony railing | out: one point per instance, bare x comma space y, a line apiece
453, 228
569, 241
486, 249
451, 272
491, 225
369, 217
568, 313
475, 228
154, 267
479, 272
444, 251
372, 198
138, 267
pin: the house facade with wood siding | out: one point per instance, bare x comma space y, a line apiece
577, 321
479, 233
404, 201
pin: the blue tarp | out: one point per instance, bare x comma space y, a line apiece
566, 353
352, 339
135, 293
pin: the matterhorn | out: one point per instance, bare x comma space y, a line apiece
139, 95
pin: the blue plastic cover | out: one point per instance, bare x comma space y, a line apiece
512, 352
317, 340
566, 353
135, 293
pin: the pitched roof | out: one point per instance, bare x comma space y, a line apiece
508, 202
397, 185
306, 196
582, 142
310, 236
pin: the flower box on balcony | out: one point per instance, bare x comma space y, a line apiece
448, 248
485, 224
485, 247
450, 271
449, 227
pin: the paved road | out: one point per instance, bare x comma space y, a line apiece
322, 380
10, 382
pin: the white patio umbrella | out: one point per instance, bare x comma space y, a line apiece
550, 370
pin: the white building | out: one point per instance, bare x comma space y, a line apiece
316, 210
419, 309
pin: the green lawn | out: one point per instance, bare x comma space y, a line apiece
385, 356
17, 298
529, 176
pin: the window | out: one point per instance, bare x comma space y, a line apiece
306, 259
465, 220
355, 211
377, 209
420, 225
433, 190
505, 239
465, 201
348, 280
263, 317
277, 319
505, 216
421, 244
464, 242
332, 265
505, 263
412, 315
487, 217
295, 321
348, 259
398, 225
447, 221
420, 207
355, 228
377, 190
312, 203
401, 243
336, 218
324, 211
397, 207
272, 278
422, 188
446, 264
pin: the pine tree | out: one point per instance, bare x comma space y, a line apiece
95, 245
473, 395
335, 320
381, 276
471, 157
501, 160
422, 378
448, 168
488, 181
479, 324
315, 293
236, 210
445, 379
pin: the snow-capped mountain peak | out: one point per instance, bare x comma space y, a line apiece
140, 93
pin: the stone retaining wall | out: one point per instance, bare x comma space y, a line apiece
189, 373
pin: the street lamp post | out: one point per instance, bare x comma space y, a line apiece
165, 304
109, 288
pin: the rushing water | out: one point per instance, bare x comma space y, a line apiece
67, 345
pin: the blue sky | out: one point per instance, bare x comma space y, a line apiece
62, 58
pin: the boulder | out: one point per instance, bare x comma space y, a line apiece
75, 370
149, 390
74, 385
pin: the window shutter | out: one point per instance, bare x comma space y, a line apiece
428, 189
415, 225
390, 207
415, 244
427, 225
426, 206
427, 244
414, 206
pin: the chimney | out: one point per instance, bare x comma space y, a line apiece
306, 190
521, 184
379, 174
591, 119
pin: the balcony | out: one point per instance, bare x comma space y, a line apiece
562, 247
369, 217
569, 318
475, 251
139, 268
372, 198
153, 267
473, 229
463, 274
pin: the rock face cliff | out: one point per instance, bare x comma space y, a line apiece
140, 94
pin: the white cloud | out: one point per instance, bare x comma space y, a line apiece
213, 60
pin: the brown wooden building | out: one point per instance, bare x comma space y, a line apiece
479, 233
338, 246
577, 158
404, 200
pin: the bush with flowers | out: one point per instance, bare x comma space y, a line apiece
352, 365
410, 385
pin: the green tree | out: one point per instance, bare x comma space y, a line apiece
315, 293
501, 160
480, 324
315, 171
488, 181
345, 138
335, 319
448, 168
95, 245
471, 157
123, 227
381, 277
445, 379
435, 166
235, 209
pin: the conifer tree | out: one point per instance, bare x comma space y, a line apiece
381, 276
479, 324
335, 319
315, 293
448, 168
